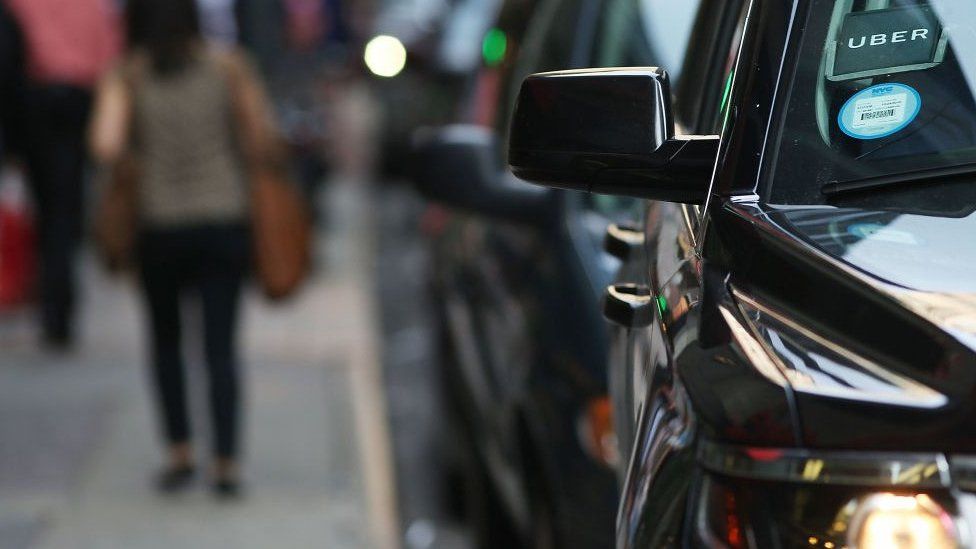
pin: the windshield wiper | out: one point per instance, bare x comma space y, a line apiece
916, 176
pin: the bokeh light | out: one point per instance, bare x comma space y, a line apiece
494, 47
385, 56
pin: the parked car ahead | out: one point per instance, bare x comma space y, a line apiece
802, 349
519, 275
522, 389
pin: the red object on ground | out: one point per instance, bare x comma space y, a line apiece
17, 271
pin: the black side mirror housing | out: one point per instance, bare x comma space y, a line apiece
608, 131
458, 166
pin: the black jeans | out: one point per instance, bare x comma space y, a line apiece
55, 119
208, 263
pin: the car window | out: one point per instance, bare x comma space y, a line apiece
501, 47
562, 31
549, 44
645, 33
715, 90
639, 33
881, 89
716, 97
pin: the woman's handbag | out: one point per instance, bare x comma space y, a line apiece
280, 222
281, 232
116, 215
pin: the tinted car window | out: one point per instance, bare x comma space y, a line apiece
881, 88
549, 42
640, 33
646, 33
548, 45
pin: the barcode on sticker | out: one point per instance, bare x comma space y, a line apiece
878, 112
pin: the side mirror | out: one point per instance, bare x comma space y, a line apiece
458, 166
608, 131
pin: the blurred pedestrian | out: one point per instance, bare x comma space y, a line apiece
12, 77
196, 121
69, 45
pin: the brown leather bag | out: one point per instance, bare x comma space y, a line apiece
116, 221
116, 215
280, 222
281, 232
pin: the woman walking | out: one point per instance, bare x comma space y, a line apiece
195, 123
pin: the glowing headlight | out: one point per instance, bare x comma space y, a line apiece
801, 499
902, 522
385, 56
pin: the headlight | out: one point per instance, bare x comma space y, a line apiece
904, 521
751, 499
754, 515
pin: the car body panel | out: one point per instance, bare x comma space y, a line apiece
921, 334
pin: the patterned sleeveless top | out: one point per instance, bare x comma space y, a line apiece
192, 170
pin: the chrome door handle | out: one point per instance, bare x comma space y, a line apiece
629, 305
621, 240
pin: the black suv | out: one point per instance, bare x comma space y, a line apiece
800, 348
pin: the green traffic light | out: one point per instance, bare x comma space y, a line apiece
494, 46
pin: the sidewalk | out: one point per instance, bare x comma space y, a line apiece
78, 438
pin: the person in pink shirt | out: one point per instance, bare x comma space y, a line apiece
69, 45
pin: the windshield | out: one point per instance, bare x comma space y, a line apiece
882, 88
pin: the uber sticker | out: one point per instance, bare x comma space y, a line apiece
879, 111
884, 41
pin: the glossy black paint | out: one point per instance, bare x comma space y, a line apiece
877, 291
898, 311
607, 131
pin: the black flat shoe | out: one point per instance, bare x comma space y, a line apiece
228, 489
174, 479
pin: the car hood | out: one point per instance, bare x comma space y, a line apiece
926, 262
874, 315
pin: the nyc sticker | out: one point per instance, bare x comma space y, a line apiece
879, 111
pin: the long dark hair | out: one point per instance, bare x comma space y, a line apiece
166, 29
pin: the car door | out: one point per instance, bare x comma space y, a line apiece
645, 33
654, 413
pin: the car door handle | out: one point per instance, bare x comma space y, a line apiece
629, 305
622, 240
